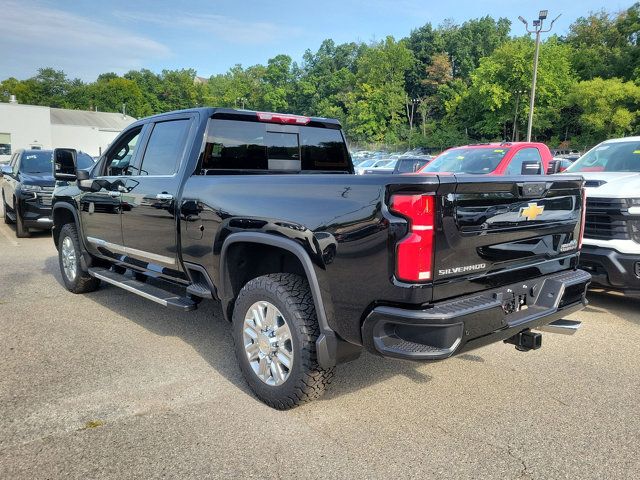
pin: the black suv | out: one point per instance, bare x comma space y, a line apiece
27, 185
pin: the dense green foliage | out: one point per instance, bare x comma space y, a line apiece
438, 87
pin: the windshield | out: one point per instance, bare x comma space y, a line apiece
467, 160
366, 163
36, 162
610, 157
382, 163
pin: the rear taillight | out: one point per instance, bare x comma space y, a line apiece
414, 253
283, 118
584, 217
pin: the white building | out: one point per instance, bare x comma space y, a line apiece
30, 126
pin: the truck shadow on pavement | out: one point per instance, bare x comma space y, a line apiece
209, 334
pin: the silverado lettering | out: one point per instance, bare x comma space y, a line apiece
467, 268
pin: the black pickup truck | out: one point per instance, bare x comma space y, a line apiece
311, 263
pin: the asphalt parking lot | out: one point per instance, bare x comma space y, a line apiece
111, 385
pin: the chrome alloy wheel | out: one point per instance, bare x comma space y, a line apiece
69, 260
267, 343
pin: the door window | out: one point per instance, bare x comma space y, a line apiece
165, 147
119, 160
529, 157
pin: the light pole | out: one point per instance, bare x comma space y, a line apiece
515, 115
537, 29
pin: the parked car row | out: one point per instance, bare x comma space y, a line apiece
505, 158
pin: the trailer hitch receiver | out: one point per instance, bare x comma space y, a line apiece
526, 340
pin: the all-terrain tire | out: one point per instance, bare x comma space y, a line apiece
81, 282
291, 295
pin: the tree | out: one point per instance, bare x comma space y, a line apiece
149, 84
606, 108
278, 84
474, 39
113, 94
326, 78
488, 106
375, 107
606, 45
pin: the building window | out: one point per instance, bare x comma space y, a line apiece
5, 144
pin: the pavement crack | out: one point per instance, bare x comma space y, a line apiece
524, 473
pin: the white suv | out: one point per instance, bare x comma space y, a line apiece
611, 247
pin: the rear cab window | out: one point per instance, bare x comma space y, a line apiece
241, 145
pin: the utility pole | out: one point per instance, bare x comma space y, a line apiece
537, 29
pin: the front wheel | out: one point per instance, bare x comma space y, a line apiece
75, 278
275, 329
21, 230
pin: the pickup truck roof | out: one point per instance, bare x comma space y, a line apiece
250, 115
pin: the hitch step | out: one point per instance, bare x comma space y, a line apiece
525, 341
150, 292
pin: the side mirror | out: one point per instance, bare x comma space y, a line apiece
531, 168
5, 170
64, 164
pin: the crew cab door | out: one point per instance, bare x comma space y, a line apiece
149, 222
100, 211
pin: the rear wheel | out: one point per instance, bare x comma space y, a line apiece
21, 230
75, 278
275, 330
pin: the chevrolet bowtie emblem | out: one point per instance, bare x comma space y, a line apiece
531, 212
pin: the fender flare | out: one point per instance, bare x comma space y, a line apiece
329, 347
85, 259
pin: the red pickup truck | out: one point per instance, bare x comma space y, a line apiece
508, 158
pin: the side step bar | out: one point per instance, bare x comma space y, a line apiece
150, 292
562, 326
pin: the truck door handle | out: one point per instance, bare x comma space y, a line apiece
115, 194
164, 196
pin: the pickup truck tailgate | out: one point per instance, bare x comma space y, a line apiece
496, 232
